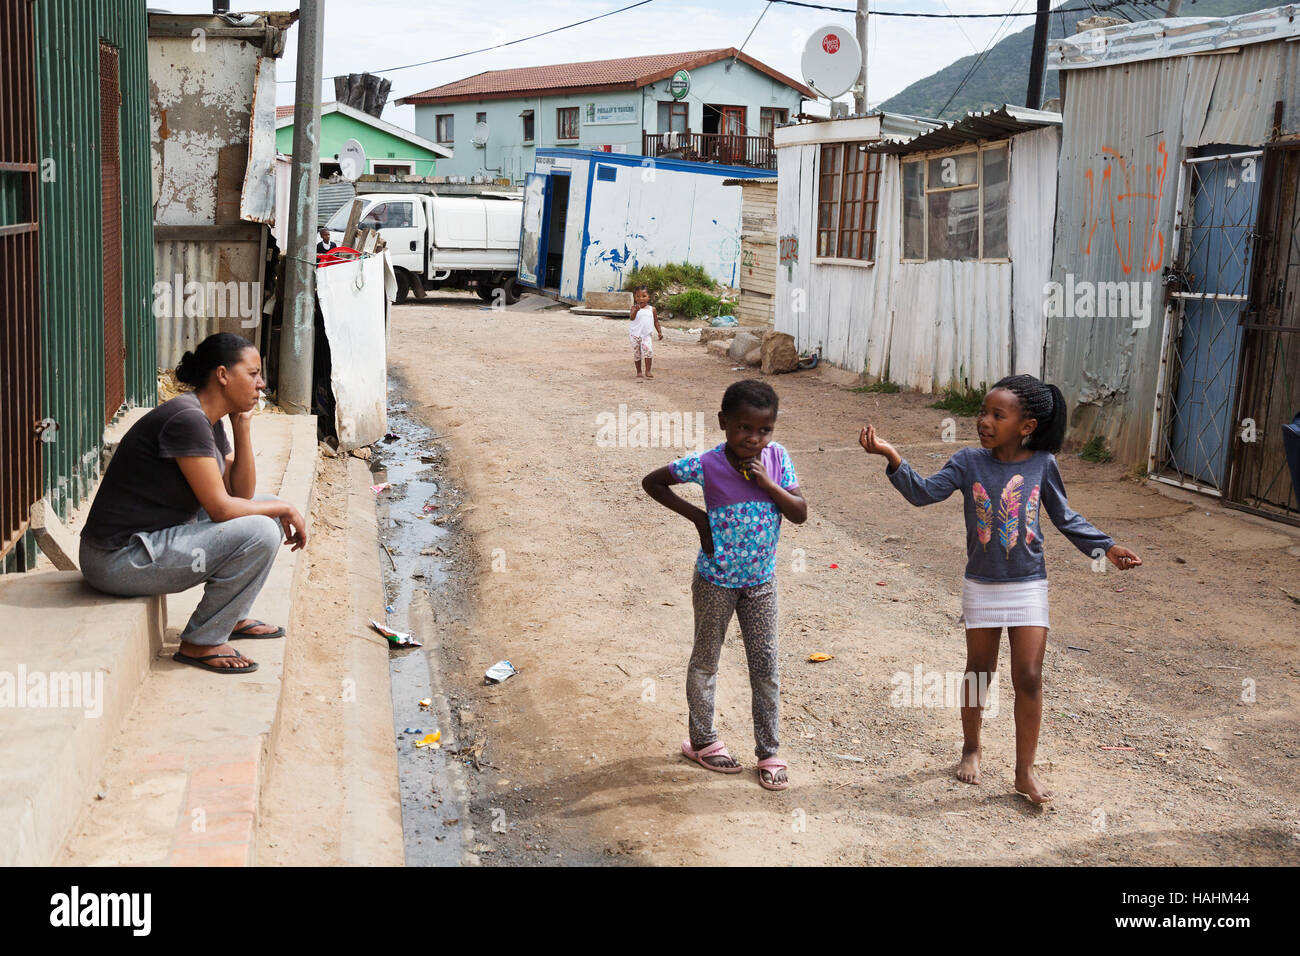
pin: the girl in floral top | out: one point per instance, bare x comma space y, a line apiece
749, 485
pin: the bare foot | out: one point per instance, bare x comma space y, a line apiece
1027, 786
639, 375
203, 650
648, 375
968, 771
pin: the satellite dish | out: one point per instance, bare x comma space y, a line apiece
480, 136
831, 61
352, 160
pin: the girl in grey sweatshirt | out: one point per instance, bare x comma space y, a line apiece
1006, 484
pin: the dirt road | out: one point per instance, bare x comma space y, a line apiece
572, 573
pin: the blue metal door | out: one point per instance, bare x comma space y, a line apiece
1220, 203
533, 229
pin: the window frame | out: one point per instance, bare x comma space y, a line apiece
676, 108
867, 197
776, 114
560, 111
529, 119
924, 159
451, 129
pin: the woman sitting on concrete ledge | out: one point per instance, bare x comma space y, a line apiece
177, 507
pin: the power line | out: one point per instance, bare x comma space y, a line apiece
937, 16
979, 60
457, 56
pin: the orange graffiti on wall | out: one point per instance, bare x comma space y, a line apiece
1130, 208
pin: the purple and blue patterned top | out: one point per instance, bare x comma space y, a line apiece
745, 522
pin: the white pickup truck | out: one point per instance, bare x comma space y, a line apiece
444, 241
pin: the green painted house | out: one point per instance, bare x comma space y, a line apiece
389, 149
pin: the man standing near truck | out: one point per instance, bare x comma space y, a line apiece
325, 244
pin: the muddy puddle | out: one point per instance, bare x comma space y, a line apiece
416, 549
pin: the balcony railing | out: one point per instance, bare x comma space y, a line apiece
725, 148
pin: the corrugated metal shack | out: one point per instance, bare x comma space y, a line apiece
1172, 329
916, 252
757, 250
212, 84
89, 176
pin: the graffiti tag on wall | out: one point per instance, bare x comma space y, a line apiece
1127, 200
788, 254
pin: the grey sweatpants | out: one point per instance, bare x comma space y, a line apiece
755, 609
230, 558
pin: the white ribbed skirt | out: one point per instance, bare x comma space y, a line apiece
1011, 604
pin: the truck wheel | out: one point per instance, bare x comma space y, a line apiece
512, 291
403, 286
484, 288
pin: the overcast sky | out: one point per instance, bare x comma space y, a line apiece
363, 35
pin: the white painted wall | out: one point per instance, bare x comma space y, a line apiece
647, 216
930, 325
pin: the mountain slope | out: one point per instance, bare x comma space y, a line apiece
1003, 75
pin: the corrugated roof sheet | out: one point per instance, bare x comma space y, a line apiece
1157, 39
989, 124
630, 72
282, 111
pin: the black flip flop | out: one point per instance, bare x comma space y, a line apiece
199, 662
245, 636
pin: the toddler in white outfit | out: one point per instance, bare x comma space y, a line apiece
645, 325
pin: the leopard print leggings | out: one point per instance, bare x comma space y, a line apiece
755, 608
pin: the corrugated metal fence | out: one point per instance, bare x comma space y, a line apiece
20, 359
72, 293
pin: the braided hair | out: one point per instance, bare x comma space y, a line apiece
1043, 402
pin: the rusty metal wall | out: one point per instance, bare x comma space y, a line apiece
110, 191
1126, 130
20, 357
193, 297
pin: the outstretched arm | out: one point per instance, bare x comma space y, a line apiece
917, 490
658, 485
1077, 528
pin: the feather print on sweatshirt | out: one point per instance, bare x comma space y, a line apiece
1031, 516
1009, 514
983, 514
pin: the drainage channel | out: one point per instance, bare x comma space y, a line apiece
415, 544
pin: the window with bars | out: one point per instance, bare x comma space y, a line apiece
566, 122
955, 205
848, 200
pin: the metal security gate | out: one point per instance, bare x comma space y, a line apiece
1270, 390
20, 331
110, 176
1201, 354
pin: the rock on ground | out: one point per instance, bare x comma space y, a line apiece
743, 344
779, 353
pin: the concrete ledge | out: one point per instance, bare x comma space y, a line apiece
63, 639
183, 779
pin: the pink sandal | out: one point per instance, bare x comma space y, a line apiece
772, 765
717, 749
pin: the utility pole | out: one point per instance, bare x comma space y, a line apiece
860, 97
298, 331
1034, 97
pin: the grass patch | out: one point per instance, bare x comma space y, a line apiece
884, 387
966, 404
1094, 449
695, 304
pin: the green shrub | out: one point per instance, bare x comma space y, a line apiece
657, 279
1095, 450
967, 403
694, 304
